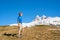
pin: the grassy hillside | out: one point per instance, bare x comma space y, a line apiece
32, 33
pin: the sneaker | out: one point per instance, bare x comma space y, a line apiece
19, 36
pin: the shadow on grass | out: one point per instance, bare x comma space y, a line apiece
5, 34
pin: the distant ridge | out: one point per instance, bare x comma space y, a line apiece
43, 20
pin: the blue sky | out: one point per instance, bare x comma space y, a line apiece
9, 9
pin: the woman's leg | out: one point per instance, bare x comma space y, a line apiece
22, 29
19, 29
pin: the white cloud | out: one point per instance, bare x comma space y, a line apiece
41, 20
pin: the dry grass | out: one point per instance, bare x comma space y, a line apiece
34, 33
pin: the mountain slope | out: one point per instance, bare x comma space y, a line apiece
41, 32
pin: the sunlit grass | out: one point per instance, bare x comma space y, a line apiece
33, 33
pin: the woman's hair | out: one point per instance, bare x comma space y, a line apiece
20, 13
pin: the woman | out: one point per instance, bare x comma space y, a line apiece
19, 19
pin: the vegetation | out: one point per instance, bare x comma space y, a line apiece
41, 32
